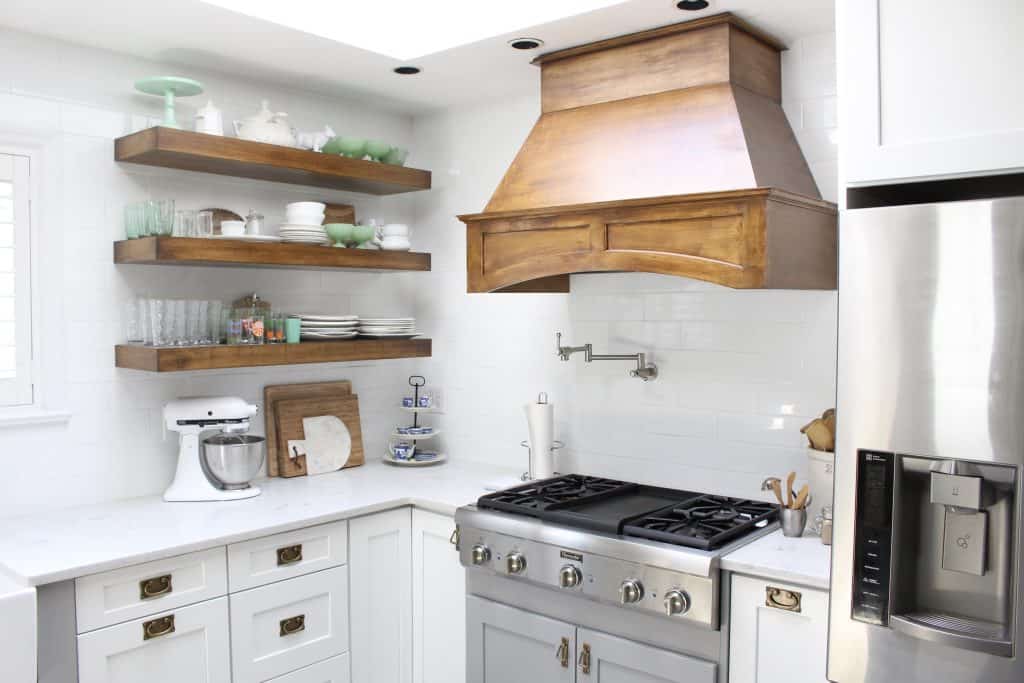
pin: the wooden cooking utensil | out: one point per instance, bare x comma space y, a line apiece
777, 490
279, 392
790, 479
290, 413
801, 497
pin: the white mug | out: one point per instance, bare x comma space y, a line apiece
232, 228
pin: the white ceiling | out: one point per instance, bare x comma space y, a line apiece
191, 33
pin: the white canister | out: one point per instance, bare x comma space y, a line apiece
209, 120
820, 469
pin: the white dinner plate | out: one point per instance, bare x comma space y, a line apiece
393, 335
441, 457
323, 317
247, 238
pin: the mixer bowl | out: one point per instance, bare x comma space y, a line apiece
233, 459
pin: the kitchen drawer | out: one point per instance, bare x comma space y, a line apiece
289, 624
118, 595
187, 644
285, 556
333, 670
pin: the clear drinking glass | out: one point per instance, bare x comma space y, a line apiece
184, 224
214, 310
177, 320
204, 224
165, 216
157, 317
131, 224
192, 319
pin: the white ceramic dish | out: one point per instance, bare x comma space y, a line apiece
441, 457
396, 335
418, 437
326, 318
386, 321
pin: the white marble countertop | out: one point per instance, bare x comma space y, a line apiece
72, 542
804, 560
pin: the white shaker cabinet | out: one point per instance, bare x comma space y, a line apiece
507, 645
380, 595
188, 644
930, 88
602, 658
778, 632
438, 596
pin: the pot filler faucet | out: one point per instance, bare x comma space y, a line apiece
644, 370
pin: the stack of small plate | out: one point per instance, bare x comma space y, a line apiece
377, 328
328, 327
303, 234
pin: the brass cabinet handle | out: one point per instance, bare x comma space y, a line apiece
584, 661
155, 587
562, 654
155, 628
781, 598
289, 555
293, 625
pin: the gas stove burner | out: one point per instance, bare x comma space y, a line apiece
706, 522
550, 494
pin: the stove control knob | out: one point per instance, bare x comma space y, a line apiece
480, 554
569, 576
631, 591
516, 563
677, 602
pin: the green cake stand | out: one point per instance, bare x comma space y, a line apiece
169, 87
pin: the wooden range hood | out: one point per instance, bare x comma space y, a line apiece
665, 151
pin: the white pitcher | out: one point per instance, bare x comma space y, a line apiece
209, 120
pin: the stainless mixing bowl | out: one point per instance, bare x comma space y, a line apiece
233, 459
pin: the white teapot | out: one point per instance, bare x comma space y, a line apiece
266, 126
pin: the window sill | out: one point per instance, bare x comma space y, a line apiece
28, 416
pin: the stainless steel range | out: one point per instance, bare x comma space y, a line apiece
604, 557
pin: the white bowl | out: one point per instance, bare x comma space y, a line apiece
232, 228
395, 230
305, 207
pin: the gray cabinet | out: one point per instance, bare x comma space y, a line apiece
508, 645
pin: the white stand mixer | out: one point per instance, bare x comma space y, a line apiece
190, 417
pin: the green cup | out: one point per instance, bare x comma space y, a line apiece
292, 330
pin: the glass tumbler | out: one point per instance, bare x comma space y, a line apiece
177, 317
164, 217
214, 311
184, 224
131, 221
158, 318
204, 224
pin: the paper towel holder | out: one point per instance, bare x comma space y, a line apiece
644, 370
528, 475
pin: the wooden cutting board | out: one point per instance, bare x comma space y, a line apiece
290, 413
339, 213
280, 392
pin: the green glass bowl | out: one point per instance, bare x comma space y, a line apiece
340, 233
363, 233
377, 149
396, 156
351, 147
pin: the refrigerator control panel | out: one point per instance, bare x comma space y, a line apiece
873, 537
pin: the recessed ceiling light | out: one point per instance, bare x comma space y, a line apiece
409, 29
526, 43
407, 70
692, 5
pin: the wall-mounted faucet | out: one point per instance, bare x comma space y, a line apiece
644, 370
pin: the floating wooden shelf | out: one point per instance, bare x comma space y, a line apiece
190, 151
176, 359
195, 251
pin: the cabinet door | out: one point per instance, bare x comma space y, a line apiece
333, 670
763, 639
507, 645
601, 658
927, 91
438, 590
380, 567
189, 644
289, 624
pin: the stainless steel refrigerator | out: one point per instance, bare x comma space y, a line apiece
926, 572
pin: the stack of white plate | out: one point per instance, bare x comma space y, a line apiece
328, 327
303, 223
401, 328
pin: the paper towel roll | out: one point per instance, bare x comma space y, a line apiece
540, 418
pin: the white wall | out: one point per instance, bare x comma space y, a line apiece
741, 371
72, 102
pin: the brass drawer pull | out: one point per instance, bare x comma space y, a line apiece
293, 625
562, 654
783, 599
155, 587
289, 555
585, 659
155, 628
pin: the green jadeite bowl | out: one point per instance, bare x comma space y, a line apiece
396, 156
377, 149
340, 233
363, 233
332, 146
351, 147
